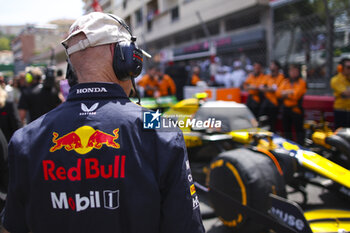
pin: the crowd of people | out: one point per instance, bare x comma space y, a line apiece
268, 93
271, 92
27, 96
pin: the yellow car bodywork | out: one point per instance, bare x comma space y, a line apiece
328, 220
321, 220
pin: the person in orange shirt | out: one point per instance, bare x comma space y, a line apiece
252, 84
149, 82
166, 85
270, 84
195, 75
292, 91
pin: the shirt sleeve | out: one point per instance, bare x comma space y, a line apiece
299, 90
248, 80
172, 85
14, 213
55, 100
15, 122
338, 88
281, 88
143, 81
280, 80
264, 80
23, 101
180, 205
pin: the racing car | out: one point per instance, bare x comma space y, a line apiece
245, 169
162, 103
334, 145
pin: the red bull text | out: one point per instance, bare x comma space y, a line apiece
93, 169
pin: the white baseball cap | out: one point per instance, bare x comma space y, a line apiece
99, 29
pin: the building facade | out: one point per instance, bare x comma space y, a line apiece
6, 57
106, 5
36, 44
182, 30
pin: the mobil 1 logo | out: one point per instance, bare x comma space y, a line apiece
107, 199
111, 199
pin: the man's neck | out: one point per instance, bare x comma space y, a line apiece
101, 76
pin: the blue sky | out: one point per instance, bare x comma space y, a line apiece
17, 12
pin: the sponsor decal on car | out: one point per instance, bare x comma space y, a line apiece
288, 218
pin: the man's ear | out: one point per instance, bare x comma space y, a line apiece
111, 48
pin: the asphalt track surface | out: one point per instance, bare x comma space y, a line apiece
317, 198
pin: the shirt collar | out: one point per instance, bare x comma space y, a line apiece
96, 90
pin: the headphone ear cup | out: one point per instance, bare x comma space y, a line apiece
127, 60
70, 75
29, 77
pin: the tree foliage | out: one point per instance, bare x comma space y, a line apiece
293, 11
5, 43
304, 8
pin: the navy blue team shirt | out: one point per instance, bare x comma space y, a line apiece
89, 166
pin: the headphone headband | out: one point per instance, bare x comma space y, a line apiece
121, 22
133, 38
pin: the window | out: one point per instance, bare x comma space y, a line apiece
243, 21
149, 26
124, 4
138, 15
182, 38
213, 29
175, 14
152, 12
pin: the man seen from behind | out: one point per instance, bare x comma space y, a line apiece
88, 165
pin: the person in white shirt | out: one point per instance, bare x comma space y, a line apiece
238, 75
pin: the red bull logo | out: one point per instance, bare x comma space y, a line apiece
69, 141
84, 139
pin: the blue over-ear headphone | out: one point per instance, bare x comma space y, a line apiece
128, 58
